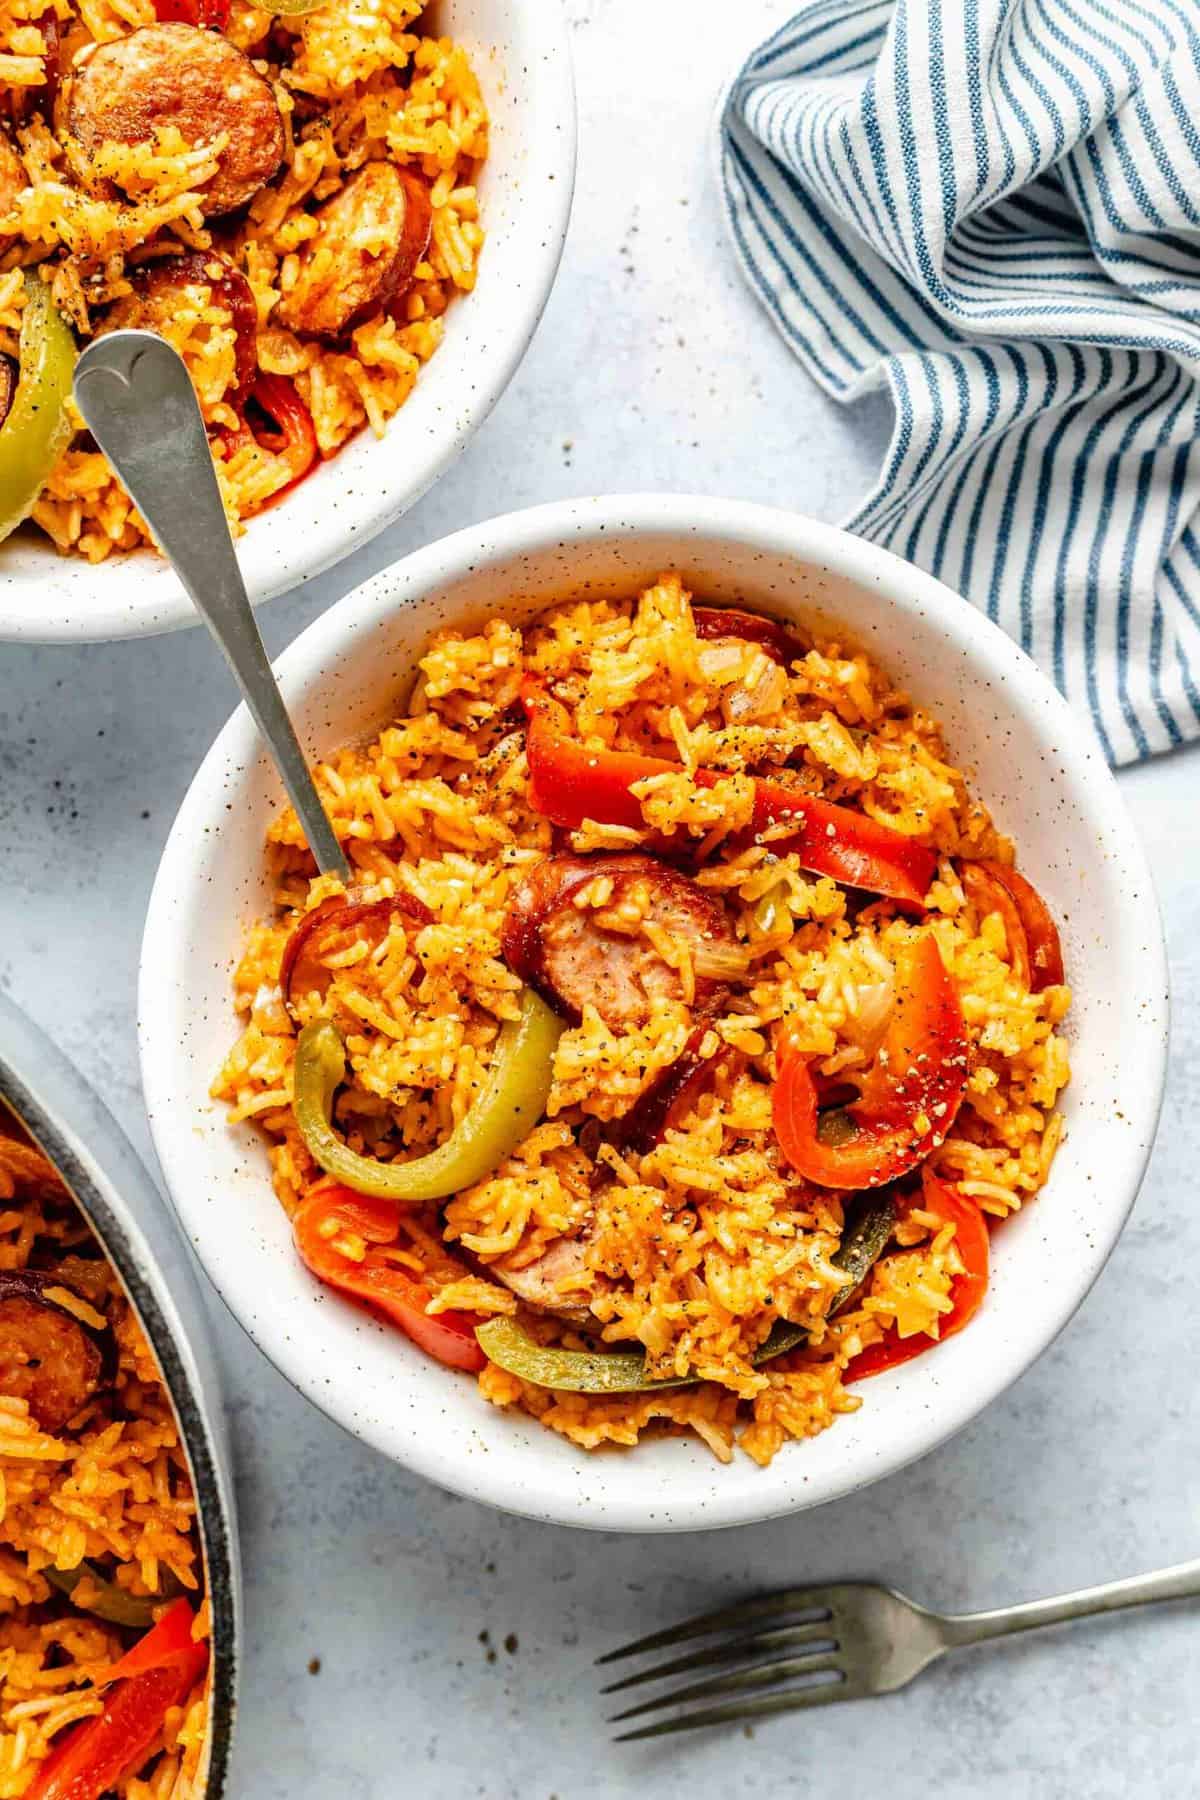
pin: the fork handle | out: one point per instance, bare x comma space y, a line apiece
1181, 1582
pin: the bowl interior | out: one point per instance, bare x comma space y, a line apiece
521, 54
1005, 725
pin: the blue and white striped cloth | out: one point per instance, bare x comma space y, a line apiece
994, 207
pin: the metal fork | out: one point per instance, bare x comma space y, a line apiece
844, 1642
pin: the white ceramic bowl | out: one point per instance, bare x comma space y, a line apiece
521, 50
1029, 758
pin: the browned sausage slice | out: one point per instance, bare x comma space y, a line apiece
668, 1095
160, 288
48, 1357
176, 74
575, 952
553, 1282
370, 238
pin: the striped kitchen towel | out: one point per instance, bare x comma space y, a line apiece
994, 207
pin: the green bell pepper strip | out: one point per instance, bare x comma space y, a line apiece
38, 425
860, 1250
506, 1343
512, 1100
109, 1601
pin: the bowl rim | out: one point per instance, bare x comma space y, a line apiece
83, 1154
504, 540
335, 532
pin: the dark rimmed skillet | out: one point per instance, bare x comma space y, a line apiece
72, 1127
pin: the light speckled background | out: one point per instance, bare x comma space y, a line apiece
654, 369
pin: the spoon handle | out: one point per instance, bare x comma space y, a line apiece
137, 398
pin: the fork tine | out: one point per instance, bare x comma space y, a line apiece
782, 1668
825, 1693
819, 1631
763, 1606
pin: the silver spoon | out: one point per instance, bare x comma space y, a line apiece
137, 398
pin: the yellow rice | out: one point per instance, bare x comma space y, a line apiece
113, 1483
698, 1247
356, 83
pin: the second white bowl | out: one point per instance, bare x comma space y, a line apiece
522, 53
1028, 758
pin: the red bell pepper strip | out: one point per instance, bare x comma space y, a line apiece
835, 840
569, 784
98, 1753
210, 14
288, 433
908, 1099
166, 1642
295, 436
987, 895
331, 1210
949, 1206
1041, 933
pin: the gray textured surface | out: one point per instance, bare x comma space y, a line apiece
654, 369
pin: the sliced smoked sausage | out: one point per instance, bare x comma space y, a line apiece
176, 74
575, 953
370, 238
48, 1357
549, 1282
159, 289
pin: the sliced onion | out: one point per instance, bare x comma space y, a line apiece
721, 657
771, 909
742, 704
875, 1001
720, 962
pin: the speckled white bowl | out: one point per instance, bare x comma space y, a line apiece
521, 51
1031, 760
